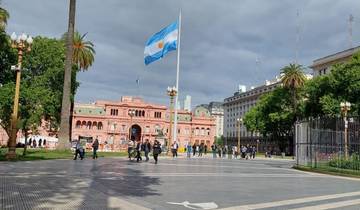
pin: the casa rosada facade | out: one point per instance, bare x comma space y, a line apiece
114, 122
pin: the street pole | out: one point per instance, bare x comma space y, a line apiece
170, 126
21, 43
239, 120
172, 92
345, 137
131, 113
345, 107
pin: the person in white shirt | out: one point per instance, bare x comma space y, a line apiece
174, 149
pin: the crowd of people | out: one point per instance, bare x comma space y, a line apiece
136, 149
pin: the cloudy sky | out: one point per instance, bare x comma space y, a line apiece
221, 41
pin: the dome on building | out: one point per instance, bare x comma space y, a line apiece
201, 111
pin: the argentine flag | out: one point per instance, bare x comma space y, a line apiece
161, 43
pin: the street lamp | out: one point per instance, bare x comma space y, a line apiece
345, 107
239, 121
171, 91
23, 44
131, 113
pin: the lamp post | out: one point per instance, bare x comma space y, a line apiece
239, 121
171, 91
23, 44
345, 107
131, 113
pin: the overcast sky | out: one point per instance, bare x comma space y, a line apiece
220, 44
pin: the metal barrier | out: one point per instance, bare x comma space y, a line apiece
329, 143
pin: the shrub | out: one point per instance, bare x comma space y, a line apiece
352, 163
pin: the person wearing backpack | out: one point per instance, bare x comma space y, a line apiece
95, 146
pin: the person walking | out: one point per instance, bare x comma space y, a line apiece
224, 151
243, 151
138, 151
205, 149
219, 151
248, 152
95, 146
253, 152
156, 150
79, 150
188, 150
147, 148
201, 149
131, 145
194, 149
235, 152
174, 149
213, 149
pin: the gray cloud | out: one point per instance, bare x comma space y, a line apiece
221, 41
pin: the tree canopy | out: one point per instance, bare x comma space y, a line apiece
41, 84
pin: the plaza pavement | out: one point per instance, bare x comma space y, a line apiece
197, 183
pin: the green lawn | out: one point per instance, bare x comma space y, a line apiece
42, 154
330, 170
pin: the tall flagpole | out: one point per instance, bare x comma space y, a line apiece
177, 81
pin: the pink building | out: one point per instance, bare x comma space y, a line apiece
111, 123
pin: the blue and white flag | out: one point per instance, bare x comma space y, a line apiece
161, 43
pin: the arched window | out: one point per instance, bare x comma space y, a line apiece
136, 113
94, 125
208, 131
143, 113
88, 126
83, 125
100, 126
78, 124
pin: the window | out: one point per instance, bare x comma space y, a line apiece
123, 127
114, 112
147, 129
157, 114
78, 124
100, 126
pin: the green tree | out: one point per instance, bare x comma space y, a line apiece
293, 78
273, 117
4, 16
323, 94
84, 53
41, 86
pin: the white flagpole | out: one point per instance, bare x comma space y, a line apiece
177, 81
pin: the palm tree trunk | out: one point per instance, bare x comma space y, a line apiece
65, 108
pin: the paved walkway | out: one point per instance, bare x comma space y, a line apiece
201, 183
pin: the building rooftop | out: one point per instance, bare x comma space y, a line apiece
335, 56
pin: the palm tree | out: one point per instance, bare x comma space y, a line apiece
65, 107
84, 52
4, 16
293, 78
83, 58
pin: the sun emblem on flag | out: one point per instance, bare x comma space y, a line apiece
160, 44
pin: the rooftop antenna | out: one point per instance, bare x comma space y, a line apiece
351, 20
297, 36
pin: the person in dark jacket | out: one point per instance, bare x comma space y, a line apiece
194, 149
138, 151
156, 150
147, 148
95, 147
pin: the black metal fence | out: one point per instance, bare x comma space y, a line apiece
322, 142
